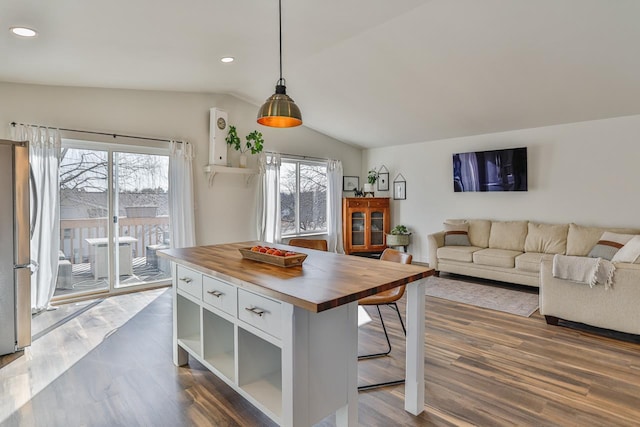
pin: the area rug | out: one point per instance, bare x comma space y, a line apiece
487, 295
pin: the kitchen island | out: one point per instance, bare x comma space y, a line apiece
286, 338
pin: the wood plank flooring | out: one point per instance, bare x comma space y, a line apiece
483, 368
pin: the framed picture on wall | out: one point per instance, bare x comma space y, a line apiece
383, 179
383, 182
399, 188
350, 183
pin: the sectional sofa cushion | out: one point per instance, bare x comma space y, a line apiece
546, 238
530, 261
609, 244
479, 230
456, 233
581, 239
496, 257
509, 235
457, 253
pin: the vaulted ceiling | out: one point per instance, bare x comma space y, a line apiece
368, 72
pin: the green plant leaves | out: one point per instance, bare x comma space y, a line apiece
254, 141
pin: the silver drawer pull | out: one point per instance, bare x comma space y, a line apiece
186, 279
256, 310
216, 294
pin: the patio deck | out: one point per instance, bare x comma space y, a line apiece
82, 279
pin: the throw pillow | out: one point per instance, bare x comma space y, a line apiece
630, 252
456, 234
609, 244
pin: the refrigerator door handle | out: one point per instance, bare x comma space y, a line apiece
22, 265
33, 266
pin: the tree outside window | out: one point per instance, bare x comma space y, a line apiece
303, 197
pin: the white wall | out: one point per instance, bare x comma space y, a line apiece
587, 173
224, 212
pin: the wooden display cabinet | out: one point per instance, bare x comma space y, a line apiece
365, 222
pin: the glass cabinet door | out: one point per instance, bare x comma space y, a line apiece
357, 228
377, 228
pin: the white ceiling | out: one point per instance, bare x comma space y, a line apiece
368, 72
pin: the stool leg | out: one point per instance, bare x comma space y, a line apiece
386, 335
395, 307
369, 356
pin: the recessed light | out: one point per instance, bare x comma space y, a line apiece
227, 59
23, 31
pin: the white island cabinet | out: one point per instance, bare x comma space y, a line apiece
284, 338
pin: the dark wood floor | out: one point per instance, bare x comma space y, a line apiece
482, 368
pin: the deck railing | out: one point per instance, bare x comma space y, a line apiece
148, 230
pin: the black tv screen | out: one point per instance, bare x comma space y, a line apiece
496, 170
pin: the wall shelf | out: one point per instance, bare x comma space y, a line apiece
212, 170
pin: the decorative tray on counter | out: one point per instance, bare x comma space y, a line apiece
290, 260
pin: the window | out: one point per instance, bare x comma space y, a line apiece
303, 197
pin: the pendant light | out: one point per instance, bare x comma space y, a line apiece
279, 110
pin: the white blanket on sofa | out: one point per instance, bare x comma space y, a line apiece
590, 271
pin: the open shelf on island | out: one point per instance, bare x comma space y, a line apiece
188, 314
268, 391
218, 343
260, 370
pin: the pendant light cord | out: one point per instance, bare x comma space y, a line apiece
280, 35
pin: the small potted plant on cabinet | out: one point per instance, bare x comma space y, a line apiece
399, 236
372, 177
254, 144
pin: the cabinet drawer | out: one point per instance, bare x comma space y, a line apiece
219, 294
260, 312
378, 203
357, 203
189, 281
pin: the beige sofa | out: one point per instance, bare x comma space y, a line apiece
508, 251
522, 252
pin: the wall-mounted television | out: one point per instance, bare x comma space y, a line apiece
495, 170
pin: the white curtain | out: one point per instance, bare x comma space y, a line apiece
181, 202
268, 218
44, 157
334, 206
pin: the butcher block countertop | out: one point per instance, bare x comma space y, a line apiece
325, 279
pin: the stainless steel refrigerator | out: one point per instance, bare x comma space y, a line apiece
15, 229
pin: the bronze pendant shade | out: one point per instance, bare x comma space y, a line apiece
279, 110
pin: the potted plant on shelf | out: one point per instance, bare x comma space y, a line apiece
254, 144
372, 177
399, 236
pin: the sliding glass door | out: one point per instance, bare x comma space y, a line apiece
113, 218
141, 200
